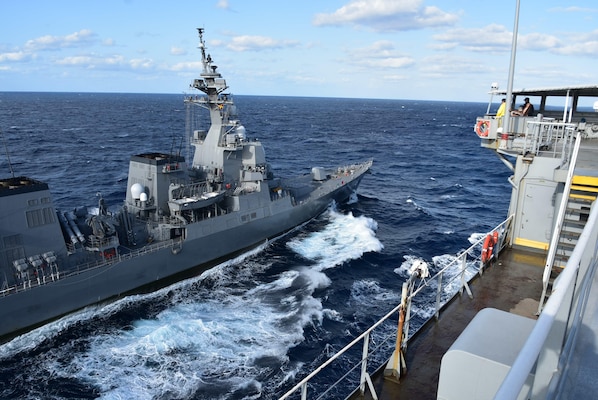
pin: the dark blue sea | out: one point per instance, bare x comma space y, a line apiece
251, 327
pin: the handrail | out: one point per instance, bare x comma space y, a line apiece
470, 250
303, 384
540, 133
92, 265
529, 354
473, 252
535, 135
558, 226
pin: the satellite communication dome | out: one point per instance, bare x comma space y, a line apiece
136, 190
240, 131
143, 196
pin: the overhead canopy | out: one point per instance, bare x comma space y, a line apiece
582, 91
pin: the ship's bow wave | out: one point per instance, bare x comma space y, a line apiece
223, 332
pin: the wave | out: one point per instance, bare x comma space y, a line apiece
222, 332
325, 288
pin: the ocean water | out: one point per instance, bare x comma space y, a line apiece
251, 327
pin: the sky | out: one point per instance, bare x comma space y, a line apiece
389, 49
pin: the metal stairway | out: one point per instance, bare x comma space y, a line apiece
583, 192
580, 192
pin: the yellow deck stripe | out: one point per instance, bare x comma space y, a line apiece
531, 243
585, 180
585, 188
582, 196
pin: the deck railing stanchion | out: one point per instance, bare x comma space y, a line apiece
438, 295
365, 377
464, 284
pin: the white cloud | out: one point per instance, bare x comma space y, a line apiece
444, 65
363, 10
387, 15
93, 61
538, 41
177, 51
395, 78
76, 60
443, 46
379, 55
573, 9
83, 38
579, 44
223, 4
257, 43
388, 62
187, 66
111, 62
493, 37
497, 38
141, 63
14, 56
589, 48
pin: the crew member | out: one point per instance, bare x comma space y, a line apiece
527, 109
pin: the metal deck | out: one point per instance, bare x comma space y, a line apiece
513, 284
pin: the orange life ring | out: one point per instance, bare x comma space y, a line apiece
482, 128
487, 248
109, 253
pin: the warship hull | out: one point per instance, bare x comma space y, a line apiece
166, 262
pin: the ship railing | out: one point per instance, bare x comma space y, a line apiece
99, 263
100, 243
540, 136
543, 361
424, 300
163, 220
547, 137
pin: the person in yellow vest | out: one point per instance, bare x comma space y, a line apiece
500, 113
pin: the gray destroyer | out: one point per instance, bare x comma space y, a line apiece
177, 219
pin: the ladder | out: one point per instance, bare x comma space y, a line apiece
583, 192
580, 192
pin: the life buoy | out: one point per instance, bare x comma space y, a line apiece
487, 248
482, 128
109, 253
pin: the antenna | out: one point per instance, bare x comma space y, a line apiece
12, 172
202, 45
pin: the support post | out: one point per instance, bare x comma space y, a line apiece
396, 366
